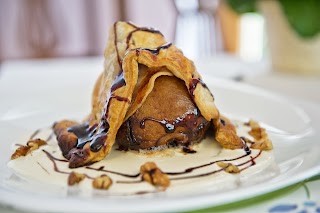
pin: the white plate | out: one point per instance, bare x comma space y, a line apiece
294, 132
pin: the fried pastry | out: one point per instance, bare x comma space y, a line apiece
148, 95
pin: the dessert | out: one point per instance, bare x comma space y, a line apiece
149, 97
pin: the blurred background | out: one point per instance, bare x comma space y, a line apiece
43, 28
281, 33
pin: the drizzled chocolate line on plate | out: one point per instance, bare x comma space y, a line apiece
80, 129
55, 167
35, 134
205, 165
189, 170
53, 160
251, 160
44, 169
114, 172
219, 170
49, 137
245, 146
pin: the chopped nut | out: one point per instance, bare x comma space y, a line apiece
229, 167
253, 124
264, 144
31, 146
74, 178
226, 135
261, 140
222, 164
21, 151
102, 182
258, 133
35, 144
152, 174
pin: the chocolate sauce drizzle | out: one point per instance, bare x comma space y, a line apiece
55, 167
84, 128
97, 134
154, 51
186, 171
35, 134
188, 150
189, 170
44, 169
114, 172
145, 29
245, 146
171, 125
193, 84
118, 82
53, 160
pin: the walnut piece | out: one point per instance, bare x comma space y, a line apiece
258, 133
261, 140
229, 167
102, 182
35, 144
152, 174
263, 144
226, 135
21, 151
32, 145
75, 178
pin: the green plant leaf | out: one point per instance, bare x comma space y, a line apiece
303, 16
242, 6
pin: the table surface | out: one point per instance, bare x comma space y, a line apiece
301, 197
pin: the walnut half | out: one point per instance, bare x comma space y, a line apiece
229, 167
102, 182
152, 174
25, 150
75, 178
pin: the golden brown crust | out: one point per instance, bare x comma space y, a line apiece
122, 61
66, 140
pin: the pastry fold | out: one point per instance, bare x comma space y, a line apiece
136, 58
